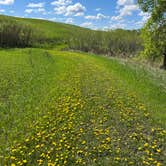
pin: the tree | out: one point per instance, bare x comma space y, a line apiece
154, 31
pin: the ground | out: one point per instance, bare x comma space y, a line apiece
68, 108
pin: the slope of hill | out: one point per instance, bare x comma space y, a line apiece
77, 109
49, 28
24, 32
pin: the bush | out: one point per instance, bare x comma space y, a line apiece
14, 34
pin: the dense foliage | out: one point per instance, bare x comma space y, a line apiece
154, 32
14, 34
115, 42
17, 32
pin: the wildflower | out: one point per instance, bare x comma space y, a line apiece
65, 162
51, 164
12, 158
40, 161
37, 146
13, 164
83, 142
108, 139
146, 145
158, 150
24, 161
117, 158
158, 164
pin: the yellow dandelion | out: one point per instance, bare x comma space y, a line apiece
13, 164
146, 145
158, 150
108, 139
158, 164
51, 164
24, 161
12, 158
83, 142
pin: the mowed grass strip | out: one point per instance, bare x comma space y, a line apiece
63, 108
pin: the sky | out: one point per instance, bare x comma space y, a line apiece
94, 14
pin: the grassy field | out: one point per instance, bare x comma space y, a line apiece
48, 29
66, 108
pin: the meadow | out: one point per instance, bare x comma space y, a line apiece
73, 108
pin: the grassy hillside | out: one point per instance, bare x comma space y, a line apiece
25, 32
50, 29
77, 109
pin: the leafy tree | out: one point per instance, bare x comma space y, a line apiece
154, 32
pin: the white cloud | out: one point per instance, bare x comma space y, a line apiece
36, 5
61, 2
117, 25
99, 16
125, 2
6, 2
39, 10
86, 24
53, 19
12, 11
60, 10
145, 17
57, 19
105, 28
77, 10
98, 9
116, 18
2, 10
79, 14
69, 20
128, 9
125, 8
29, 11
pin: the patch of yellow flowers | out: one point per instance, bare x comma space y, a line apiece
88, 130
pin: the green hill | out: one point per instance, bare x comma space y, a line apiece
24, 32
71, 108
49, 28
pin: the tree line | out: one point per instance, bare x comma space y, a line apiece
117, 42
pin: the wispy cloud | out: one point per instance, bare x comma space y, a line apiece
36, 5
6, 2
66, 8
124, 8
2, 10
99, 16
69, 21
87, 24
38, 10
98, 9
61, 2
125, 2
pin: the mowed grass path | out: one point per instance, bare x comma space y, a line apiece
64, 108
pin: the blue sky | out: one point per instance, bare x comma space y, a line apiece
95, 14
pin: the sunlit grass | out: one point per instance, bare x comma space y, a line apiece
62, 108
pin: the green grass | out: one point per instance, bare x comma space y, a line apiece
48, 29
71, 108
149, 85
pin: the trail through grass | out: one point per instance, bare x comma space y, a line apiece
63, 108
